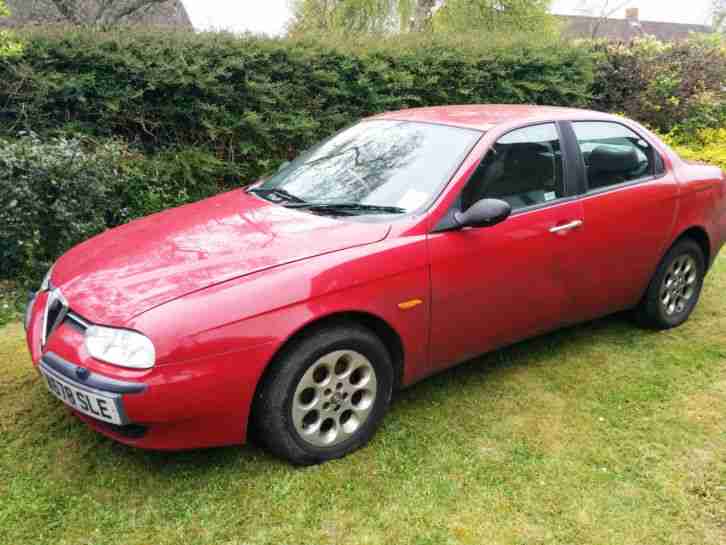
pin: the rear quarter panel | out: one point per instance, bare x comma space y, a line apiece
702, 202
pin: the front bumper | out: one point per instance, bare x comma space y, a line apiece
83, 377
201, 403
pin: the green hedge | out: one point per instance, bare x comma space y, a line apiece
254, 102
56, 193
704, 145
128, 122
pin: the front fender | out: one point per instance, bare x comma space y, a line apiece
269, 307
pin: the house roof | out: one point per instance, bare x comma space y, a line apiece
578, 26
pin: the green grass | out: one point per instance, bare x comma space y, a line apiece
599, 434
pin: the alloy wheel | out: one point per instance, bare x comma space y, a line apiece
679, 285
334, 398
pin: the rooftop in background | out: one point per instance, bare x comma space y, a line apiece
39, 12
625, 30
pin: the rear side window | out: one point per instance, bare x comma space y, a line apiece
613, 154
523, 168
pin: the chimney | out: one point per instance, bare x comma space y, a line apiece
632, 15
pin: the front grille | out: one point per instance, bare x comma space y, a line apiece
55, 309
55, 312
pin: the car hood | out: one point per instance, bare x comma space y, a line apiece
128, 270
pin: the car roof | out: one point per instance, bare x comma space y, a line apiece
485, 117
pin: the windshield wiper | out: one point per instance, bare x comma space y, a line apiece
348, 208
280, 193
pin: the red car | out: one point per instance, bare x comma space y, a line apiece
399, 247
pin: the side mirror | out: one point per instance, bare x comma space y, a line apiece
484, 213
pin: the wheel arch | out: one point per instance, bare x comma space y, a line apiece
700, 236
696, 233
377, 325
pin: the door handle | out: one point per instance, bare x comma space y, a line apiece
567, 226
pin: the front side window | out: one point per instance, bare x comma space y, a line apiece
613, 154
524, 168
379, 166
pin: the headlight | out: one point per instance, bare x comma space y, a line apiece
120, 347
46, 285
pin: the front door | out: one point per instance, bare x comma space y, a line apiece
492, 286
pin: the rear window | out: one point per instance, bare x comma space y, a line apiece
614, 154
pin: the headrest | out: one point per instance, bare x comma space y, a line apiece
613, 159
528, 149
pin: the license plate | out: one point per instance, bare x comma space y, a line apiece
101, 407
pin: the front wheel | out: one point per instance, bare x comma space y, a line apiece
676, 287
325, 396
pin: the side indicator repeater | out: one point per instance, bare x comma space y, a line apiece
408, 305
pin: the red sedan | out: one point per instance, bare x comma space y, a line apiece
399, 247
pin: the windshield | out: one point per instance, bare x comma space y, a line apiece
377, 166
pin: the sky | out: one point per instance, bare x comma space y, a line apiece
259, 16
270, 16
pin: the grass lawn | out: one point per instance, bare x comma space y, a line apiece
601, 434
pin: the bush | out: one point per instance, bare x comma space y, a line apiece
675, 86
52, 195
58, 193
706, 145
712, 155
129, 122
12, 302
255, 102
170, 178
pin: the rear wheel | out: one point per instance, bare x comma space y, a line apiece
325, 396
676, 287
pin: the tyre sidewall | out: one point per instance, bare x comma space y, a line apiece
300, 359
685, 247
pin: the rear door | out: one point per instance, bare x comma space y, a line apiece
629, 204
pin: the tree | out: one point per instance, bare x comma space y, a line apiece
375, 16
8, 45
422, 14
719, 15
87, 12
494, 15
418, 15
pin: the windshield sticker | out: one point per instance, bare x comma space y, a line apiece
550, 196
413, 199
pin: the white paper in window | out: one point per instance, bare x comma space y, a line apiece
413, 199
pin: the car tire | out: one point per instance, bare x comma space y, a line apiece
325, 395
675, 288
